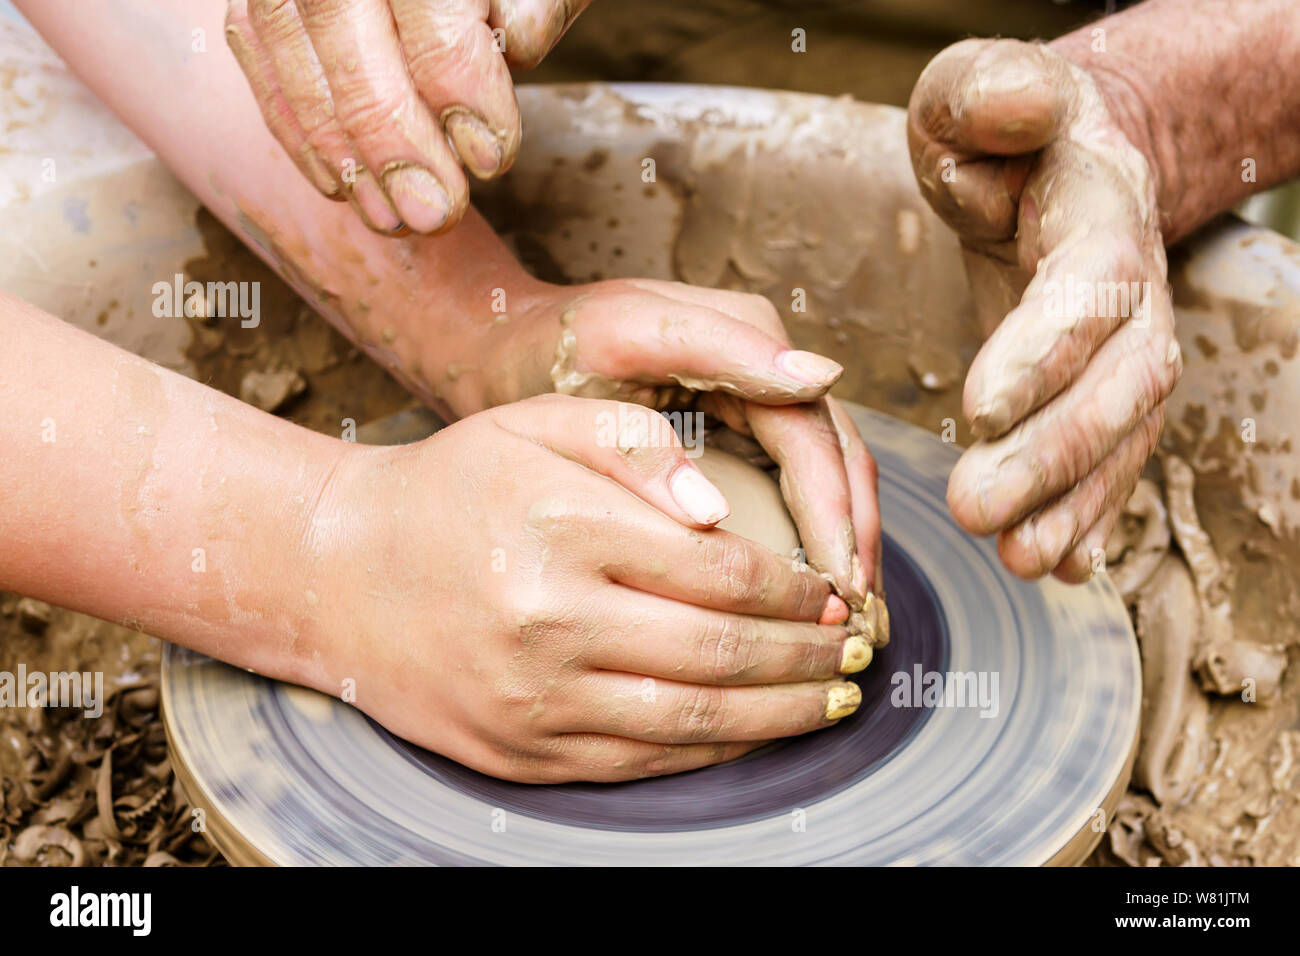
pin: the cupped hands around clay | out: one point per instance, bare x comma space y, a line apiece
538, 604
685, 351
1018, 149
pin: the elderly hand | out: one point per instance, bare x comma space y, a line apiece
380, 102
1016, 148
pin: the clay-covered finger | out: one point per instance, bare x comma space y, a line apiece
388, 124
720, 570
674, 712
982, 98
805, 444
530, 28
864, 486
1076, 299
1089, 556
464, 79
631, 444
603, 758
1039, 543
710, 568
278, 112
649, 338
1004, 97
665, 638
997, 483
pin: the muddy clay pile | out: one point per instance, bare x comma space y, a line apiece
78, 790
1216, 775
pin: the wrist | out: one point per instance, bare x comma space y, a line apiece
1131, 107
251, 594
512, 350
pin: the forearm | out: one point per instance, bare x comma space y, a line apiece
1207, 90
422, 307
139, 496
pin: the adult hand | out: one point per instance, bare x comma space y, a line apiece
672, 346
1016, 148
380, 102
480, 590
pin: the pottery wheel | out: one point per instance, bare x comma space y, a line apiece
288, 776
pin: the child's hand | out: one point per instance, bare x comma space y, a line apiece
381, 101
542, 605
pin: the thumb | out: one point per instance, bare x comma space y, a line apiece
660, 341
532, 27
1000, 97
978, 104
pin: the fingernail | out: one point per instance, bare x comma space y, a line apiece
809, 368
419, 197
855, 656
836, 612
319, 173
698, 496
1007, 80
477, 148
1007, 494
991, 419
842, 699
373, 205
1054, 536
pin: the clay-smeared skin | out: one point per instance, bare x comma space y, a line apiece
1078, 161
476, 588
422, 306
1174, 712
521, 636
1047, 194
360, 93
737, 366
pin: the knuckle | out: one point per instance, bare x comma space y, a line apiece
365, 112
532, 764
700, 716
656, 762
734, 571
274, 19
440, 50
726, 652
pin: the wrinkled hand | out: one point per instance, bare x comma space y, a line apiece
672, 346
1017, 150
479, 590
380, 102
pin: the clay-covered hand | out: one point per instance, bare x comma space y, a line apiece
381, 102
1016, 148
481, 595
672, 346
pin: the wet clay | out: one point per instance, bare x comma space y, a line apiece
1216, 777
757, 509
